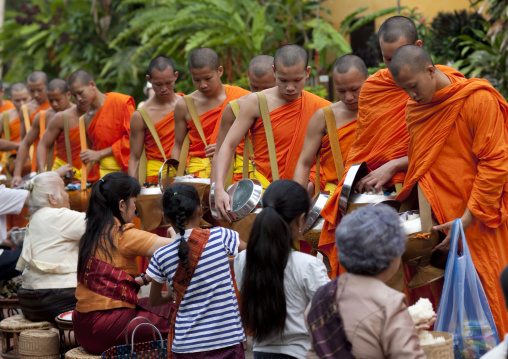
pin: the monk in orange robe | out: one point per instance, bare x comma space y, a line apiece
382, 138
290, 109
210, 100
19, 97
160, 111
59, 100
349, 73
107, 122
260, 75
458, 155
4, 104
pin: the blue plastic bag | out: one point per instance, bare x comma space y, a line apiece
463, 310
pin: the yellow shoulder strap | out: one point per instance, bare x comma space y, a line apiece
26, 119
195, 117
247, 147
317, 187
184, 153
235, 107
67, 138
334, 141
7, 132
265, 114
84, 146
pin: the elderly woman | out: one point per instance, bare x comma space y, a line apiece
49, 257
376, 322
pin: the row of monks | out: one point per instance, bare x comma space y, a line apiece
412, 123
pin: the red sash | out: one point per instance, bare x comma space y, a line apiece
196, 242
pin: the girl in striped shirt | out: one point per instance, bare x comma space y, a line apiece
208, 322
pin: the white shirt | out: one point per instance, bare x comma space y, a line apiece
11, 202
303, 276
49, 258
499, 352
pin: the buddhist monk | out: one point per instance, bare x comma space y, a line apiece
19, 97
55, 135
260, 75
381, 138
210, 100
458, 155
290, 109
4, 104
59, 99
37, 83
159, 110
107, 123
349, 73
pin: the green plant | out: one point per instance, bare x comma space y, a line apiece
318, 90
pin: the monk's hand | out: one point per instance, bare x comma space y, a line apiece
88, 156
428, 324
63, 170
210, 150
377, 178
222, 205
15, 181
466, 219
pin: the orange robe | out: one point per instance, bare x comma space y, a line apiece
61, 151
210, 121
15, 132
458, 154
42, 107
166, 130
381, 136
6, 106
110, 127
327, 168
289, 125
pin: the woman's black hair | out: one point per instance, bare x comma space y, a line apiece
270, 243
179, 203
101, 213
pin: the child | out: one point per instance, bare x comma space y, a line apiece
196, 265
277, 282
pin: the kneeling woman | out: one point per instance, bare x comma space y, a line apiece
107, 290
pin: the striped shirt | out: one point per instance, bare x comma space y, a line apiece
208, 316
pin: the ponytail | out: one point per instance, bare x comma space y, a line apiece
180, 202
268, 249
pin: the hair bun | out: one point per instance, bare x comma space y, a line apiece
29, 185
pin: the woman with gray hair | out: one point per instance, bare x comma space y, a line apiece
49, 257
374, 317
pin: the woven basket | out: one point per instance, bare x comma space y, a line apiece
19, 323
39, 344
80, 353
439, 350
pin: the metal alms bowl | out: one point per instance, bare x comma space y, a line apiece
317, 205
167, 173
244, 196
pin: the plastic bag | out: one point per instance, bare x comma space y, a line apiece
463, 310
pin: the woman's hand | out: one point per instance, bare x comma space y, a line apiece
427, 325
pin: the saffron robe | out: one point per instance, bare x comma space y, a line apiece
289, 125
110, 127
381, 136
42, 107
458, 154
61, 151
15, 132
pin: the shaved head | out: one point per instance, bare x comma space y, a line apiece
81, 76
58, 84
260, 65
160, 63
398, 27
347, 62
202, 58
18, 87
291, 55
412, 56
37, 76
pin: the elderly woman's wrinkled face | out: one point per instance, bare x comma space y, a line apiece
61, 197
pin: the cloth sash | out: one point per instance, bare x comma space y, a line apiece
59, 163
239, 164
107, 280
201, 167
326, 326
108, 165
197, 242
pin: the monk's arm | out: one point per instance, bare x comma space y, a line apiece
227, 120
55, 127
137, 140
8, 145
180, 128
382, 175
246, 117
316, 130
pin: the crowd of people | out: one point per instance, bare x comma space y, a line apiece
414, 124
